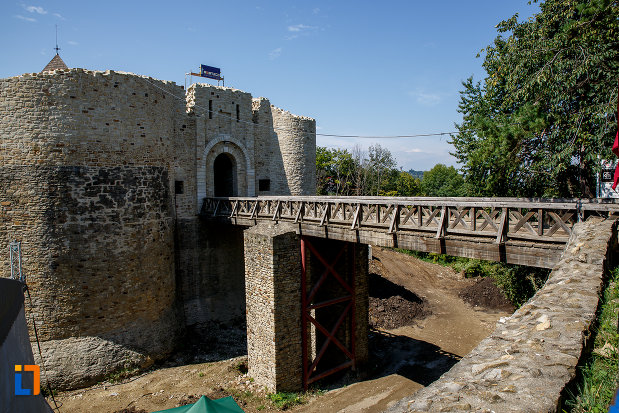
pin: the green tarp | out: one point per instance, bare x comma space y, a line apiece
206, 405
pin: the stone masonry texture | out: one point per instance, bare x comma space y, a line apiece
527, 362
273, 288
102, 175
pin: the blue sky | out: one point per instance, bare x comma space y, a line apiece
357, 67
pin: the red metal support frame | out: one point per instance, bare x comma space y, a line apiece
309, 366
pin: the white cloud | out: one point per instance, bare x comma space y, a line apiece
427, 99
299, 28
72, 43
28, 19
275, 53
316, 10
58, 15
35, 9
414, 150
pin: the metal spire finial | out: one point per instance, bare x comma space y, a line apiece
56, 48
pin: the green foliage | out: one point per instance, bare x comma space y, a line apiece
335, 170
407, 185
285, 401
518, 283
599, 372
340, 172
128, 370
443, 181
537, 123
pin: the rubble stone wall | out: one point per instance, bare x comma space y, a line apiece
530, 358
102, 175
85, 178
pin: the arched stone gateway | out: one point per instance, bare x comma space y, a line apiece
218, 153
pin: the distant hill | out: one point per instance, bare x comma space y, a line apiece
416, 174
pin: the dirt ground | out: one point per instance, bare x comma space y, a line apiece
424, 318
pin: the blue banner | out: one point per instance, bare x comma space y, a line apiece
210, 72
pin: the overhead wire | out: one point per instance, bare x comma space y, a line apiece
328, 135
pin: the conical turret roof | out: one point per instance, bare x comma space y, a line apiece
55, 63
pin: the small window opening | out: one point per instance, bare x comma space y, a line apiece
264, 185
238, 113
178, 187
210, 109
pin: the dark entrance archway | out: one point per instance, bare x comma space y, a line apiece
224, 171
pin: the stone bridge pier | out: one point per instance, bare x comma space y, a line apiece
307, 306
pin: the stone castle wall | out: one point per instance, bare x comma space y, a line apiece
91, 164
296, 137
86, 189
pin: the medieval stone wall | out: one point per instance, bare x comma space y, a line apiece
102, 175
296, 137
210, 272
269, 160
85, 178
225, 126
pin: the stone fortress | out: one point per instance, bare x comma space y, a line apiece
102, 175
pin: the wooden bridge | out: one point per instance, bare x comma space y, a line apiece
523, 231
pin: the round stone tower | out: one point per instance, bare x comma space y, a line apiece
297, 143
85, 187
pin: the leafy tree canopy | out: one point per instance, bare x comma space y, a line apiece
540, 121
443, 181
375, 172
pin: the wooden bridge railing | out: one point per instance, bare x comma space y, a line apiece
549, 220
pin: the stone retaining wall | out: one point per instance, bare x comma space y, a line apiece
530, 358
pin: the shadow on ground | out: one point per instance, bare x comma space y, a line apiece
208, 343
417, 360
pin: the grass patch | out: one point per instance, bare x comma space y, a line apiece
598, 383
283, 401
518, 283
124, 373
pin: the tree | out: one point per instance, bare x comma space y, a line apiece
407, 185
340, 172
335, 170
540, 120
381, 162
443, 181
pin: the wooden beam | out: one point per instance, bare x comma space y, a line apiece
299, 212
393, 227
440, 232
355, 220
325, 220
503, 226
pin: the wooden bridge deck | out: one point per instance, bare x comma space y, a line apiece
514, 230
